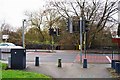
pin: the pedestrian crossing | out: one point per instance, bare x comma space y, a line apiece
96, 58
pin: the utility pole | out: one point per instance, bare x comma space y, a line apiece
23, 35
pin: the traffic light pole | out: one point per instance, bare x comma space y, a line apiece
81, 22
52, 42
85, 34
85, 40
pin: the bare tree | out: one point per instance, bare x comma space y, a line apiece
98, 12
1, 29
51, 18
36, 19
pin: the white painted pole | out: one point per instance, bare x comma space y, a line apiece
23, 35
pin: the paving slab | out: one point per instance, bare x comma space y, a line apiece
71, 70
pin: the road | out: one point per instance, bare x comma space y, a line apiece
66, 56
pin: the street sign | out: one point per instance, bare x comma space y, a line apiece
5, 37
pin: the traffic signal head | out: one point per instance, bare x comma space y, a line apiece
118, 31
51, 31
87, 22
69, 25
58, 31
54, 31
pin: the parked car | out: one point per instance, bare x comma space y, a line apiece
6, 47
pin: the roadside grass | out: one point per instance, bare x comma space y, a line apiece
19, 74
3, 66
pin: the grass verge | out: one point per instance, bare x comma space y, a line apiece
4, 66
19, 74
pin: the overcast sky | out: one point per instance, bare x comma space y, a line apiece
12, 11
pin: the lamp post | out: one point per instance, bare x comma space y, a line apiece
23, 35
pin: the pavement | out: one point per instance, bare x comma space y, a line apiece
70, 70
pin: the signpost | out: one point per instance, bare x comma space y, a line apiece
5, 37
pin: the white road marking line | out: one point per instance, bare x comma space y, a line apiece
108, 59
28, 52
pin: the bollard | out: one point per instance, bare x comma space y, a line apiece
117, 67
9, 62
85, 63
59, 62
113, 64
37, 61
